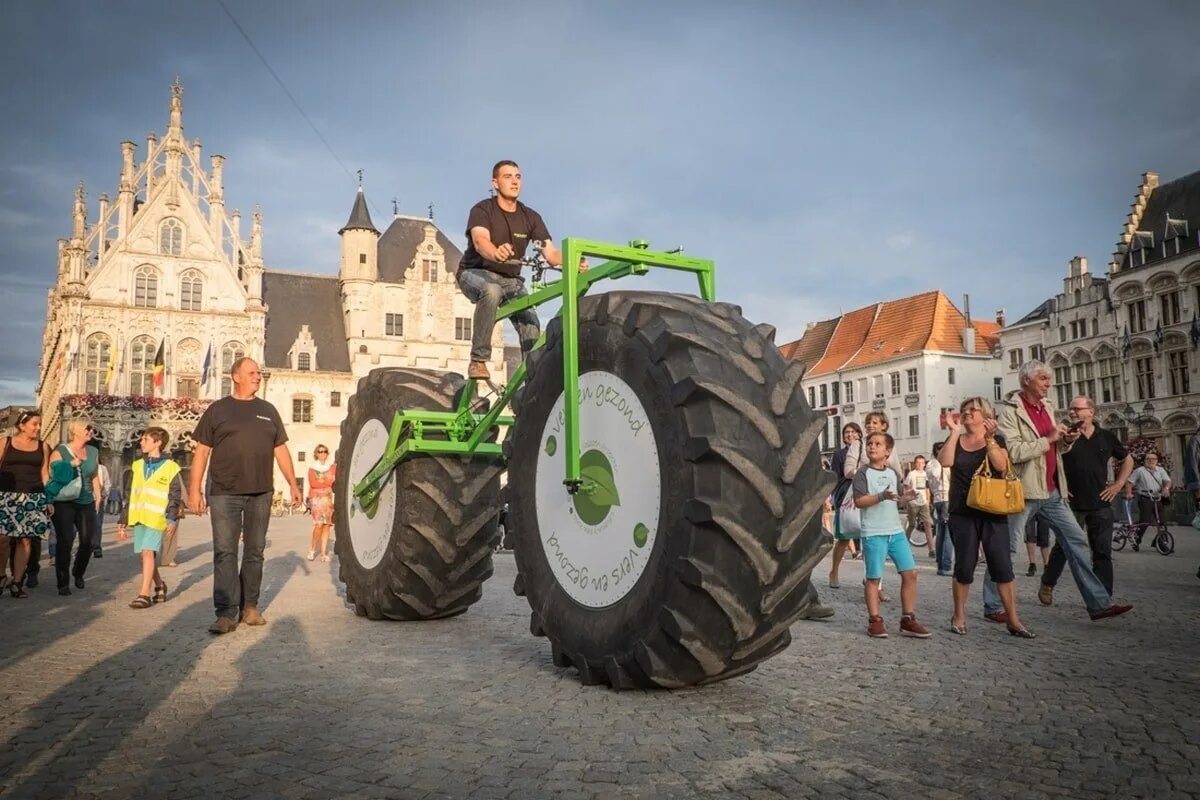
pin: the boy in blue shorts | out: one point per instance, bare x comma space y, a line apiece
876, 489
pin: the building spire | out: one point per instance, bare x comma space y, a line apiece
360, 217
79, 215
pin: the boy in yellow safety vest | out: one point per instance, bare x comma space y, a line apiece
152, 503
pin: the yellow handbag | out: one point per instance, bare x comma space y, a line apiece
995, 495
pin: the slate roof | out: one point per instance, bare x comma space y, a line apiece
398, 248
885, 331
360, 217
293, 300
1180, 201
1039, 313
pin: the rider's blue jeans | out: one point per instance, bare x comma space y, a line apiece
488, 290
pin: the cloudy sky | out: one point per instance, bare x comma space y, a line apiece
826, 155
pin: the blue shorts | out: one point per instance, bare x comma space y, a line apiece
877, 549
145, 538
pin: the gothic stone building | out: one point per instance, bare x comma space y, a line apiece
166, 266
1129, 340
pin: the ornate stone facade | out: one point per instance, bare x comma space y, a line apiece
166, 269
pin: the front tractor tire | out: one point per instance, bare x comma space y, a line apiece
690, 559
425, 550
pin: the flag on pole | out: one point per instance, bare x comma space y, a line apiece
112, 368
1126, 343
1195, 332
1158, 335
160, 365
207, 371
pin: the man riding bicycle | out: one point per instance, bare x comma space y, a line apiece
499, 229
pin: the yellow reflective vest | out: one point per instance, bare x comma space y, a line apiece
148, 496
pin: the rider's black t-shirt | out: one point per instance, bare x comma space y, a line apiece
516, 228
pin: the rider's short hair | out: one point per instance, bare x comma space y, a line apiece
504, 163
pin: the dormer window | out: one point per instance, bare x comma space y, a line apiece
303, 355
1141, 249
429, 270
1174, 236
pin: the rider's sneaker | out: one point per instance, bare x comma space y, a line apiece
478, 371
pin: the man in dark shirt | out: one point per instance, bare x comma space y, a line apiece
242, 433
1086, 465
499, 230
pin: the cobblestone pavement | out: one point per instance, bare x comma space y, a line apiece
97, 700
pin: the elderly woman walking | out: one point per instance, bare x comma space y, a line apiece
321, 474
24, 470
74, 511
963, 454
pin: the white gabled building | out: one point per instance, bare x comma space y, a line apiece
912, 358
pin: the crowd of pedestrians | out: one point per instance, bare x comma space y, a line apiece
67, 491
1021, 444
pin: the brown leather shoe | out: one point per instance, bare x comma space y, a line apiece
1111, 611
478, 371
1046, 595
250, 616
223, 625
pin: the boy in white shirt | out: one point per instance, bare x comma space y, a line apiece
876, 489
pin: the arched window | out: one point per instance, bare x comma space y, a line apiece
95, 364
141, 366
230, 353
304, 362
170, 237
145, 287
191, 288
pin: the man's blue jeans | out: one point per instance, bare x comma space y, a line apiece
1074, 544
488, 291
234, 517
945, 547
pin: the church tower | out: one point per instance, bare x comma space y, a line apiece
357, 274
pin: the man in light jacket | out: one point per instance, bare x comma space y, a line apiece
1035, 445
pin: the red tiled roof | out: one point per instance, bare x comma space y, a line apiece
886, 331
811, 346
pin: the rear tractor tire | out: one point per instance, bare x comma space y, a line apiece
426, 548
690, 560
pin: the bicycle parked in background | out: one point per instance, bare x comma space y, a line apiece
1129, 531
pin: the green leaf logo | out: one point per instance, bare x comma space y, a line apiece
595, 470
551, 446
641, 534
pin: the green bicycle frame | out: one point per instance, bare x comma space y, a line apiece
463, 432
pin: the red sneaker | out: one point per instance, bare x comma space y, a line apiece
1112, 611
996, 616
875, 628
910, 627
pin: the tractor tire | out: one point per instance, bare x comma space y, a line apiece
427, 549
691, 559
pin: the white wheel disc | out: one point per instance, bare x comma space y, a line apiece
599, 544
370, 534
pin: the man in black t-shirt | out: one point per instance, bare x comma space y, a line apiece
243, 434
499, 230
1086, 465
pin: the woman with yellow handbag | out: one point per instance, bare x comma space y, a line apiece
979, 505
